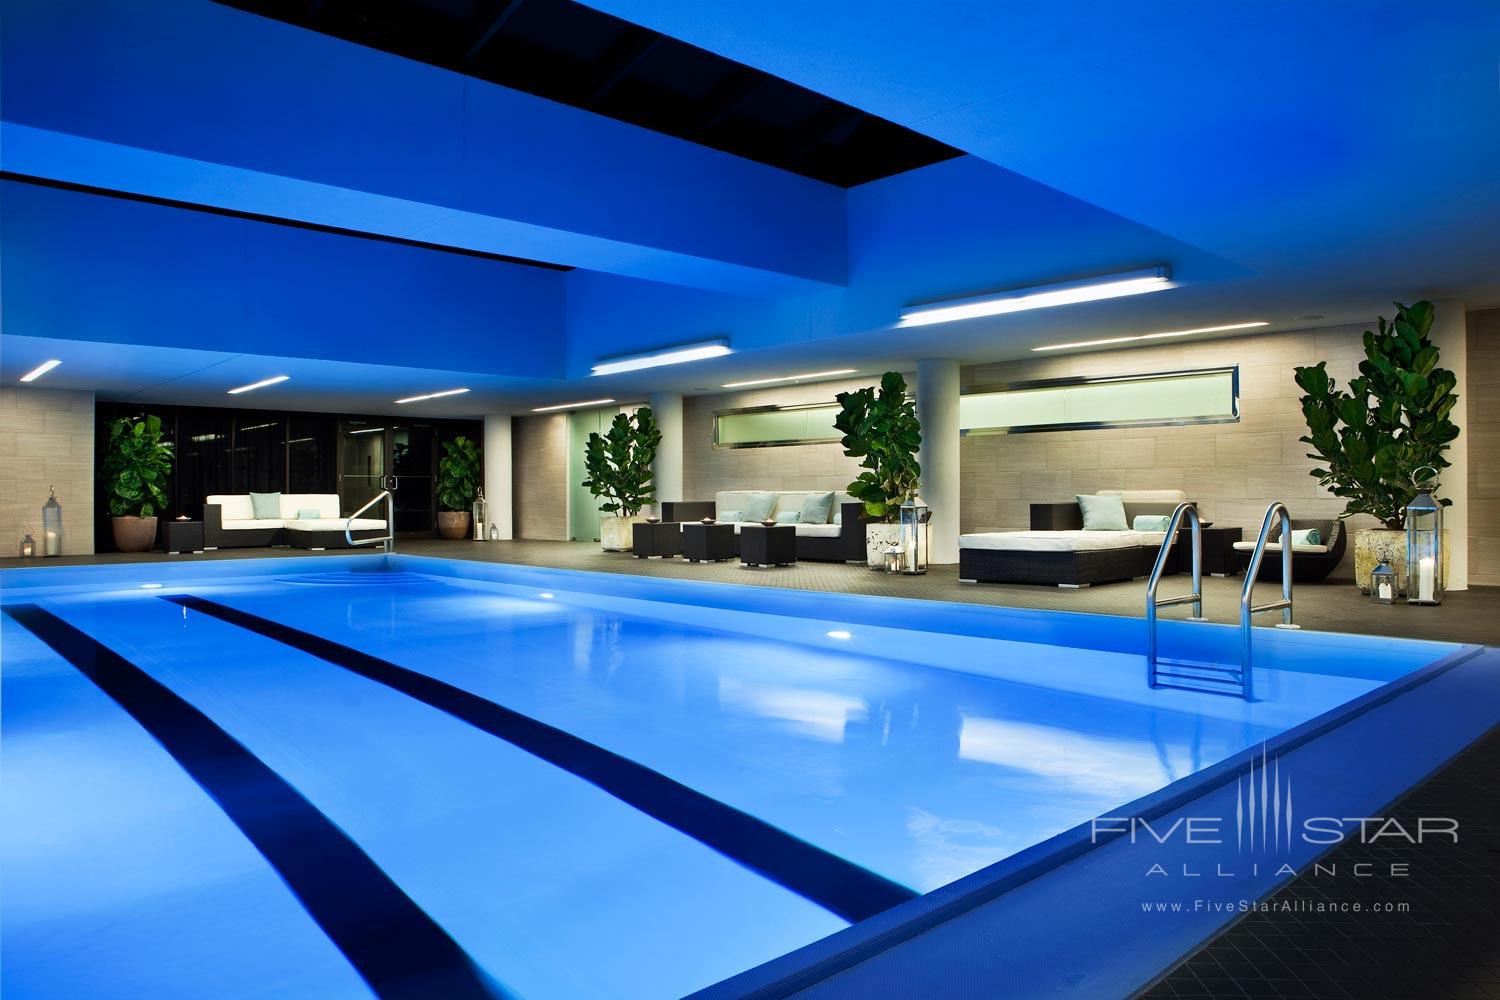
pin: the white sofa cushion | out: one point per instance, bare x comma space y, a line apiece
332, 524
251, 523
786, 500
233, 507
1059, 541
1276, 547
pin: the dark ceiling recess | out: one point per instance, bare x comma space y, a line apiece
576, 55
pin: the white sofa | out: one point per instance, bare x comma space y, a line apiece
840, 539
229, 521
1062, 553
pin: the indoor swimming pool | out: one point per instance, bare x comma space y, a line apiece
417, 777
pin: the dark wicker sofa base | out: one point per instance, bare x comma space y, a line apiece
1058, 569
847, 546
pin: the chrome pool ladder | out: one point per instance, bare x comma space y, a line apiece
1206, 676
388, 540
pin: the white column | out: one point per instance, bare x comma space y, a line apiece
666, 407
1450, 335
937, 409
497, 473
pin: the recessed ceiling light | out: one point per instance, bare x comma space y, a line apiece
790, 378
840, 634
259, 385
696, 351
368, 430
433, 395
1153, 336
40, 370
570, 406
1106, 286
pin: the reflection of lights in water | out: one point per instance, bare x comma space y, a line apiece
544, 595
839, 633
949, 849
819, 714
150, 586
1118, 769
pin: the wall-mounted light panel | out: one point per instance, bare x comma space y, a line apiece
1204, 396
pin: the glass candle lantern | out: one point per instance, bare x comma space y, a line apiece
893, 559
51, 525
28, 546
1383, 589
481, 516
1424, 545
914, 515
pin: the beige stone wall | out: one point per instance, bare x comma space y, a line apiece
1482, 398
706, 469
46, 438
539, 450
1232, 470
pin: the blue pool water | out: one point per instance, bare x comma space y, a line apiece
251, 780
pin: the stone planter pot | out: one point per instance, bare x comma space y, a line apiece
453, 524
1371, 543
616, 534
878, 538
134, 534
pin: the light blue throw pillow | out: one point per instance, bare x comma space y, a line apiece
1102, 513
265, 505
1151, 522
788, 516
816, 508
308, 513
758, 506
730, 515
1306, 536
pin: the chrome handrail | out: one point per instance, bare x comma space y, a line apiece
1248, 609
388, 540
1195, 598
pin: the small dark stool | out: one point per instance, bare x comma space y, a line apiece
182, 536
707, 542
662, 539
762, 546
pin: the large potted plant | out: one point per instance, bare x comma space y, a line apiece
618, 463
1374, 439
137, 463
458, 481
880, 427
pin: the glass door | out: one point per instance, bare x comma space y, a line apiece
414, 462
583, 507
362, 462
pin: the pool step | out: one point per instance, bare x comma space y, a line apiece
358, 578
1199, 675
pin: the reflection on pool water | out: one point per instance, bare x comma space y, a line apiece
589, 786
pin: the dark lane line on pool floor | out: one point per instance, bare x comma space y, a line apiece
833, 882
393, 944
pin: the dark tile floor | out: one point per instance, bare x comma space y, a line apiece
1446, 946
1336, 606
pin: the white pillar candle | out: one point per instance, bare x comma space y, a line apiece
1425, 567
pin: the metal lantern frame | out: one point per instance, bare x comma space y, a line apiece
481, 515
52, 525
28, 545
914, 515
1384, 586
1424, 542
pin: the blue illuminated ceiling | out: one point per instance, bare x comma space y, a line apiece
1269, 155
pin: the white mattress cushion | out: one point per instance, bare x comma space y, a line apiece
251, 523
1059, 541
1276, 547
332, 524
233, 507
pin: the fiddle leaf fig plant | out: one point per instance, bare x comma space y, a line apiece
137, 463
879, 426
458, 474
619, 461
1374, 438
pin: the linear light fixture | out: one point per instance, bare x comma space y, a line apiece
1154, 336
1105, 286
696, 351
259, 385
433, 395
789, 378
368, 430
40, 370
571, 406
